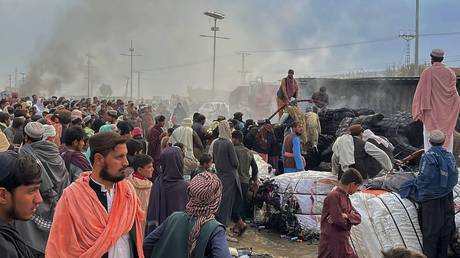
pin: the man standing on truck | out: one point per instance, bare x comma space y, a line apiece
436, 102
321, 98
288, 89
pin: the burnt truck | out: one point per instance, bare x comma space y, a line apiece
380, 104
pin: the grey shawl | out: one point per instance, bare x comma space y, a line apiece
55, 178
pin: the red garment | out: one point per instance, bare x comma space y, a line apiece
83, 228
436, 101
154, 140
335, 230
291, 88
58, 127
139, 176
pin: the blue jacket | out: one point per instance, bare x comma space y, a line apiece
296, 149
437, 177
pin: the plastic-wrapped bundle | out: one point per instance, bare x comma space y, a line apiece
303, 194
309, 204
456, 194
265, 169
306, 182
309, 222
363, 237
395, 222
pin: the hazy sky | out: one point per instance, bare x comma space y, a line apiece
49, 40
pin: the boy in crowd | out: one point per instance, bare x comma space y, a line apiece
205, 165
20, 179
338, 216
140, 179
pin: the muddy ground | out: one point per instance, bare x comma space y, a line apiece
265, 242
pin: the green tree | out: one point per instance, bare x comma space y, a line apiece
105, 90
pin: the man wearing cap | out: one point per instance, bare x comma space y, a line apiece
432, 189
49, 133
20, 179
436, 102
350, 151
87, 124
76, 118
112, 116
288, 90
55, 179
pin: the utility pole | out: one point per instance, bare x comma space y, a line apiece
131, 55
16, 78
9, 79
23, 80
243, 71
138, 85
407, 37
88, 63
417, 34
216, 16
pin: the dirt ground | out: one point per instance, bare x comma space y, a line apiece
265, 242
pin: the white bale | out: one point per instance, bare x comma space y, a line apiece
363, 237
306, 182
395, 222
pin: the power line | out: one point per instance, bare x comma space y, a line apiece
325, 47
349, 43
207, 60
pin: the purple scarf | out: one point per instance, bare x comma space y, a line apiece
75, 158
169, 191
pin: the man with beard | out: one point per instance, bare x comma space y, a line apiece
288, 89
20, 179
292, 153
55, 179
99, 215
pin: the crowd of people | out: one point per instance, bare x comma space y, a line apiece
101, 178
108, 174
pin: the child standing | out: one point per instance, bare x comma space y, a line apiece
140, 179
338, 216
205, 165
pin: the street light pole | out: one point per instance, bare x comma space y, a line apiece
131, 50
214, 59
417, 21
216, 16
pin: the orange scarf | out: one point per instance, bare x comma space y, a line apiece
83, 228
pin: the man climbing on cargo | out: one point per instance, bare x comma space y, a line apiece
337, 218
288, 91
436, 102
320, 98
432, 189
350, 151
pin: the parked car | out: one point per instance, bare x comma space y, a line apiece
214, 109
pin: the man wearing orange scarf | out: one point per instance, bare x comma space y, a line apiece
99, 214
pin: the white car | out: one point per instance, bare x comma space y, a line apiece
211, 110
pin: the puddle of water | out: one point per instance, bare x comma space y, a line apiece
265, 242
